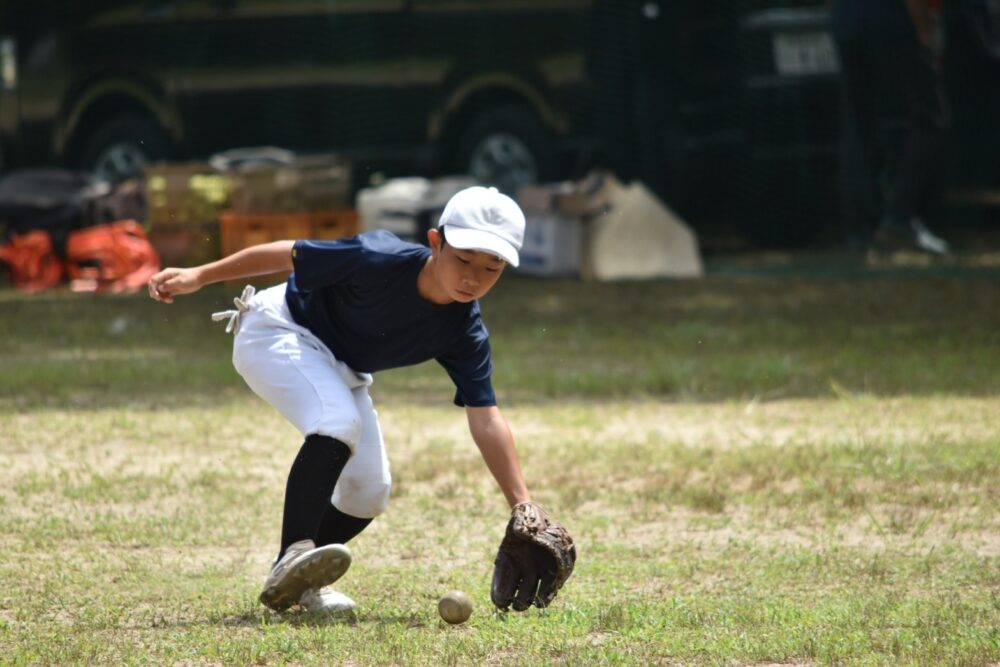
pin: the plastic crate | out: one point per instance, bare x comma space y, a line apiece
186, 245
238, 230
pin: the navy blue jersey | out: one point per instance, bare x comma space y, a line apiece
359, 296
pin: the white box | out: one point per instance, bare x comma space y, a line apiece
552, 246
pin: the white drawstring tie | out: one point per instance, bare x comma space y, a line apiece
242, 303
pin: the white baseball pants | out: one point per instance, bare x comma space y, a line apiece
290, 368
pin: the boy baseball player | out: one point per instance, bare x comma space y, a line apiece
353, 307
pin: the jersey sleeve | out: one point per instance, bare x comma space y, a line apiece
319, 263
470, 367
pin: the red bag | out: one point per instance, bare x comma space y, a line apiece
32, 260
115, 258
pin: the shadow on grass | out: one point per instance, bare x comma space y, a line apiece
720, 338
262, 617
299, 618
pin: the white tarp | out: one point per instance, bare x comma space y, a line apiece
397, 204
635, 236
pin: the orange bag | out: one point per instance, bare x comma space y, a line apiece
116, 257
33, 262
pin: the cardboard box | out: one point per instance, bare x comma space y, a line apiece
314, 183
552, 245
555, 234
566, 198
603, 229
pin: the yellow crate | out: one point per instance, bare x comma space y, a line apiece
184, 193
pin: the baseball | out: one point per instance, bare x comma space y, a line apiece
455, 607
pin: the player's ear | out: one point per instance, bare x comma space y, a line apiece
434, 239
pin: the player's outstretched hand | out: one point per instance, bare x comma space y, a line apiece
168, 283
535, 559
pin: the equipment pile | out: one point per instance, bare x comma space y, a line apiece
58, 225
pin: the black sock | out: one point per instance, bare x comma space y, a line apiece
310, 485
337, 527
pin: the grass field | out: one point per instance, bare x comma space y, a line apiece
758, 471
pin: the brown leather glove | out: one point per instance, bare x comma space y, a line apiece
535, 559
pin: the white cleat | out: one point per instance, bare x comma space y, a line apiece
327, 602
303, 567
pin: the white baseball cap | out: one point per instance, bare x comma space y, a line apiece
483, 219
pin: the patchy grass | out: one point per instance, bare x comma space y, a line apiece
757, 472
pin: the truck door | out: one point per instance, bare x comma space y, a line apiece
304, 75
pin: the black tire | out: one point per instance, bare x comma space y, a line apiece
506, 147
120, 148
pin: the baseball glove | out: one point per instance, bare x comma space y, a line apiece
535, 559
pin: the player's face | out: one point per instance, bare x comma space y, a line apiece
467, 275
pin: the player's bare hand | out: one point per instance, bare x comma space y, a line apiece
168, 283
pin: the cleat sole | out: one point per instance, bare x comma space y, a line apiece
321, 567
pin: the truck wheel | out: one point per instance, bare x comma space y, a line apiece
506, 147
122, 147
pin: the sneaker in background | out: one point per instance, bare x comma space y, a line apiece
926, 240
892, 235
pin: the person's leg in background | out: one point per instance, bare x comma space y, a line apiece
861, 154
921, 171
